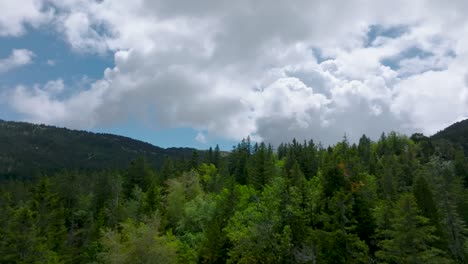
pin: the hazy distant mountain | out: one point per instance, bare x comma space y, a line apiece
29, 149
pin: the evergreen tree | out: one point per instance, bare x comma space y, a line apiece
426, 202
239, 161
409, 237
260, 166
217, 157
194, 160
365, 150
50, 221
209, 156
168, 170
139, 174
152, 200
22, 242
338, 241
448, 185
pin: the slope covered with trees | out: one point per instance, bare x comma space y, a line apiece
396, 200
29, 150
457, 134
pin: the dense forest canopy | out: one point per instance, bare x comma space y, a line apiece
394, 200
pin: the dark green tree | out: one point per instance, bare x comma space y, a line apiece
22, 242
50, 220
139, 174
410, 236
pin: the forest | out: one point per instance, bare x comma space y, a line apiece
398, 199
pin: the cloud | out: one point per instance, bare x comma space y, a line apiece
15, 15
43, 104
432, 100
17, 58
307, 69
200, 137
80, 34
51, 62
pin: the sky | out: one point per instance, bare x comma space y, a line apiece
207, 72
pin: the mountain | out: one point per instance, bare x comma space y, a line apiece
456, 133
29, 149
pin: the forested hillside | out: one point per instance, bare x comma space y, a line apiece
457, 134
28, 150
397, 200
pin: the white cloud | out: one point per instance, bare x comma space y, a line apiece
432, 100
80, 33
17, 58
233, 68
14, 15
51, 62
200, 137
54, 87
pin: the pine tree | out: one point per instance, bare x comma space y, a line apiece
194, 160
50, 220
239, 161
209, 156
152, 200
426, 202
363, 188
139, 174
447, 187
22, 242
410, 237
364, 150
260, 166
217, 157
338, 240
168, 170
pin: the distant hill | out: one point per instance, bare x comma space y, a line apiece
29, 149
456, 134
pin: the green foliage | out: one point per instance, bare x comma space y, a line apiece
210, 178
448, 188
138, 243
22, 242
152, 200
260, 168
50, 220
257, 232
339, 241
139, 174
409, 236
180, 191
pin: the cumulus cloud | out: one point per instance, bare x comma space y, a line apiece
17, 58
432, 100
304, 69
15, 15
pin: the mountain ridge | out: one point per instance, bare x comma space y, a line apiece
28, 149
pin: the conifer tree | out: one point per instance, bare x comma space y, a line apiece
50, 221
22, 242
410, 236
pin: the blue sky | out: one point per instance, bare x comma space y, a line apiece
178, 74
